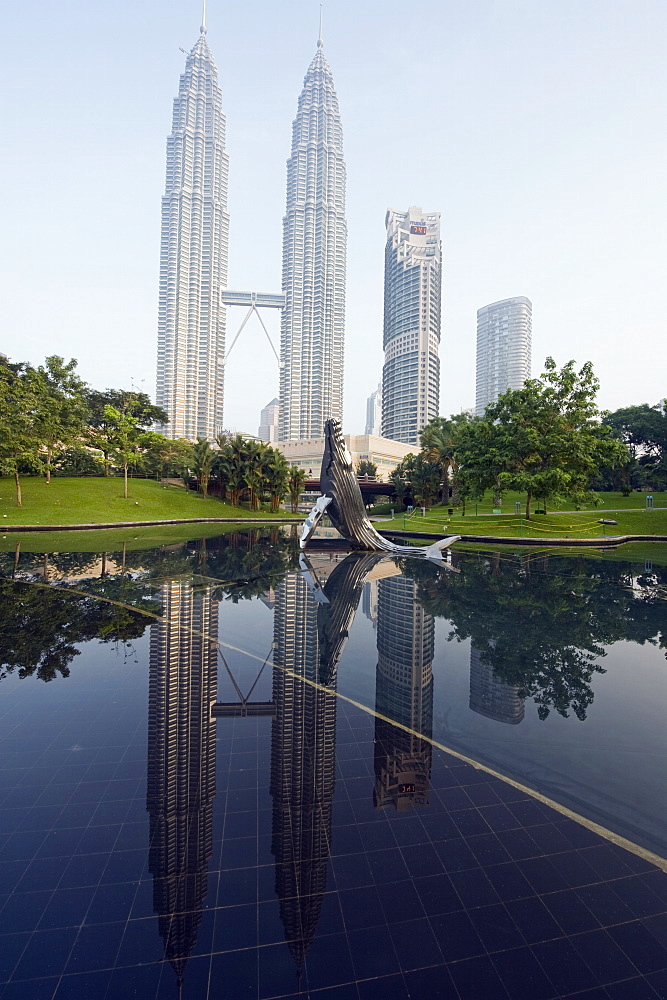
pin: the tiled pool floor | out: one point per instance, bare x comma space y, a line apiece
278, 880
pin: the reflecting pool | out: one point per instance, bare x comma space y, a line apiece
347, 776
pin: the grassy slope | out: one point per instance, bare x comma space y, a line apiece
97, 500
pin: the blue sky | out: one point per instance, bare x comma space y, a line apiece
535, 127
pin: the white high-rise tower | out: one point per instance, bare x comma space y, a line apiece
314, 252
193, 255
412, 277
504, 334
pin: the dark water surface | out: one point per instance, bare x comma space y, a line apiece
247, 777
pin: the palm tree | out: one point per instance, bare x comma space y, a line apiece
203, 457
277, 470
295, 483
425, 479
231, 465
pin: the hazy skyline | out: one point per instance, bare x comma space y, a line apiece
534, 129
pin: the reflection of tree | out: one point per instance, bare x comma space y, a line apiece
543, 624
40, 625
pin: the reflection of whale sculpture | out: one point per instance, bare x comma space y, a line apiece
345, 505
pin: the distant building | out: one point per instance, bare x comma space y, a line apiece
307, 454
314, 254
193, 255
374, 412
412, 278
268, 421
504, 332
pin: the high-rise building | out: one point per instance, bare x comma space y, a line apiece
412, 280
403, 693
268, 421
374, 412
504, 331
193, 255
314, 252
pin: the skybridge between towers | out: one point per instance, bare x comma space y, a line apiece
254, 301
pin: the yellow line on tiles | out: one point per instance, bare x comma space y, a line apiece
602, 831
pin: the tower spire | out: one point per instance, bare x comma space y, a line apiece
320, 43
203, 18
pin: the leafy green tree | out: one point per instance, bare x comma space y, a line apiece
165, 456
276, 473
544, 439
125, 439
19, 437
231, 466
295, 484
62, 407
100, 434
643, 430
425, 480
77, 461
203, 457
366, 468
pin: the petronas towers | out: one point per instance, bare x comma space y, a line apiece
314, 253
194, 254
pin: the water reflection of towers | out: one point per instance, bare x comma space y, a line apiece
181, 762
490, 696
404, 693
303, 753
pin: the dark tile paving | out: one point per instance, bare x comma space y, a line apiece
481, 893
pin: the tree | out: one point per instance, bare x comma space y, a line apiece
61, 409
136, 404
366, 468
276, 471
125, 439
296, 483
643, 429
19, 438
165, 456
544, 439
438, 440
230, 466
203, 458
425, 480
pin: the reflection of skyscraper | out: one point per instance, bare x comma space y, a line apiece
302, 765
181, 762
404, 694
491, 697
314, 250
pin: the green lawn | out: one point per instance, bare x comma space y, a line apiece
100, 501
628, 512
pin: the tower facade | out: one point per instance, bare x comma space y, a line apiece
504, 333
193, 255
374, 412
314, 254
412, 282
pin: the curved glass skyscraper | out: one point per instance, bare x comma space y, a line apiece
314, 253
193, 255
504, 334
412, 276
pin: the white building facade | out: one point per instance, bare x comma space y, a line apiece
193, 255
412, 288
268, 421
374, 412
504, 335
314, 255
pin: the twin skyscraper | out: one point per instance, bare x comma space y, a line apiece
194, 259
194, 265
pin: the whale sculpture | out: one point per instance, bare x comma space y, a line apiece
341, 499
